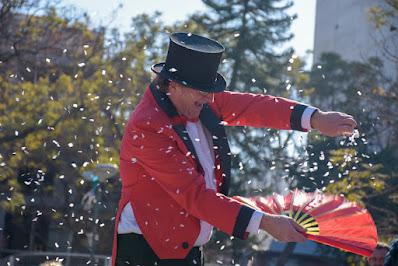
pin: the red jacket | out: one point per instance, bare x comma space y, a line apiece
165, 183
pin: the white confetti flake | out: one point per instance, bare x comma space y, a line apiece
355, 133
56, 143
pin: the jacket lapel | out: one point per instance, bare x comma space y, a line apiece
213, 123
167, 106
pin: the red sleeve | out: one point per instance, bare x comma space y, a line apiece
258, 110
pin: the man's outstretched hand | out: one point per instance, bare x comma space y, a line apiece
282, 228
333, 124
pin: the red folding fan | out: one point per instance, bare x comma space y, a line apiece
327, 219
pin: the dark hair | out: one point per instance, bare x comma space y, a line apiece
161, 83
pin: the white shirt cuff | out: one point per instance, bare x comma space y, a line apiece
254, 224
306, 117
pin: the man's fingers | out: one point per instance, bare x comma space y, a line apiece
300, 238
297, 227
350, 121
297, 235
346, 130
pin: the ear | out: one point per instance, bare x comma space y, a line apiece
174, 87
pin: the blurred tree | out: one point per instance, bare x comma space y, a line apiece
384, 15
61, 79
363, 168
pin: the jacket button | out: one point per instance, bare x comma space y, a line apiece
185, 245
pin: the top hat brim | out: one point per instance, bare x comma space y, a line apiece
219, 84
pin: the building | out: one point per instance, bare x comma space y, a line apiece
344, 27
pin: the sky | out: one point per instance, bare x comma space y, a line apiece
173, 10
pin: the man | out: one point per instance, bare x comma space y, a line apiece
175, 158
378, 255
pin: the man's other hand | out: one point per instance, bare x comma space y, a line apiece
333, 124
282, 228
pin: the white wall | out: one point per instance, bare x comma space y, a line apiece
343, 27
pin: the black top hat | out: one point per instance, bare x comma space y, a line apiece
192, 61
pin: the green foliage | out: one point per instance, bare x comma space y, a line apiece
62, 112
384, 15
362, 169
364, 180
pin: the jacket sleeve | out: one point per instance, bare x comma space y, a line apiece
175, 172
259, 110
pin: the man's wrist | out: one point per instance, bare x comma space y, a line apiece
306, 117
265, 222
314, 119
255, 221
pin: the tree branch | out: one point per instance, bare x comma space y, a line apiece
28, 131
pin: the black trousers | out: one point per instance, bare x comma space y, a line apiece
133, 250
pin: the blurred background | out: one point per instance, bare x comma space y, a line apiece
71, 73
